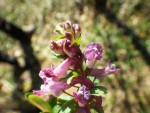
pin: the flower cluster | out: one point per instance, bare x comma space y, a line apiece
78, 67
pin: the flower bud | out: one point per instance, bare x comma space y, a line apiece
68, 35
67, 26
57, 46
76, 30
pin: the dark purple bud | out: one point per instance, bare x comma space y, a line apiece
83, 110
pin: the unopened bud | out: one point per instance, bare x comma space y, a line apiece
57, 31
77, 30
68, 35
56, 46
67, 26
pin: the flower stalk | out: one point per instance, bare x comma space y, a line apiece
75, 70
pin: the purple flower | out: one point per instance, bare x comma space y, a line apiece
101, 73
71, 50
65, 47
59, 72
92, 53
83, 110
57, 46
82, 96
52, 87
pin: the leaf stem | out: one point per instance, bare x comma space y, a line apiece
67, 93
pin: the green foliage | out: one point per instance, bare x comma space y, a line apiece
99, 110
99, 91
67, 107
40, 102
54, 105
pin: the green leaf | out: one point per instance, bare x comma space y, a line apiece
70, 76
52, 102
39, 102
98, 91
97, 110
56, 55
64, 96
68, 107
77, 41
59, 37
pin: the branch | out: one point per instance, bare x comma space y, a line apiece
111, 17
8, 59
14, 31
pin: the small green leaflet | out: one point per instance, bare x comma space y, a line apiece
67, 107
99, 91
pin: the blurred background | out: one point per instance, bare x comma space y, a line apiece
121, 26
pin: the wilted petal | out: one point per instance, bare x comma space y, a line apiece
92, 53
82, 96
101, 73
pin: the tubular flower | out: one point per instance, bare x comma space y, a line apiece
101, 73
53, 87
82, 96
59, 72
72, 73
92, 53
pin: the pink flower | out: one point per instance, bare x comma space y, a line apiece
65, 47
59, 72
53, 87
101, 73
71, 50
82, 96
92, 53
57, 46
